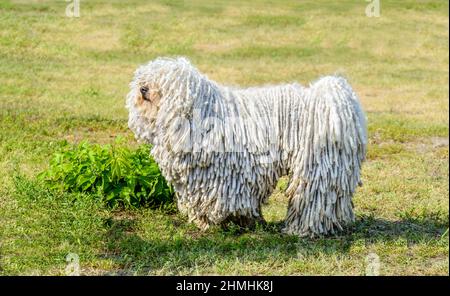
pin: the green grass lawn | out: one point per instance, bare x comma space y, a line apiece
66, 79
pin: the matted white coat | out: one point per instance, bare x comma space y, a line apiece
223, 149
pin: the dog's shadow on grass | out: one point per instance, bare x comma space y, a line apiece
189, 252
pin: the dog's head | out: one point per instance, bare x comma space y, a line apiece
146, 93
152, 85
162, 94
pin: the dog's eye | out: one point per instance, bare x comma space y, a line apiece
144, 90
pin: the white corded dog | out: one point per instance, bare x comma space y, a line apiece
223, 149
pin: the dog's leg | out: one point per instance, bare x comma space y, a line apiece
318, 208
326, 170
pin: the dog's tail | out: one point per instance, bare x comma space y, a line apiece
333, 141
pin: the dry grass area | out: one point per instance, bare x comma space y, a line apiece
66, 78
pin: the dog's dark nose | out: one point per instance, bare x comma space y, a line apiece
144, 90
